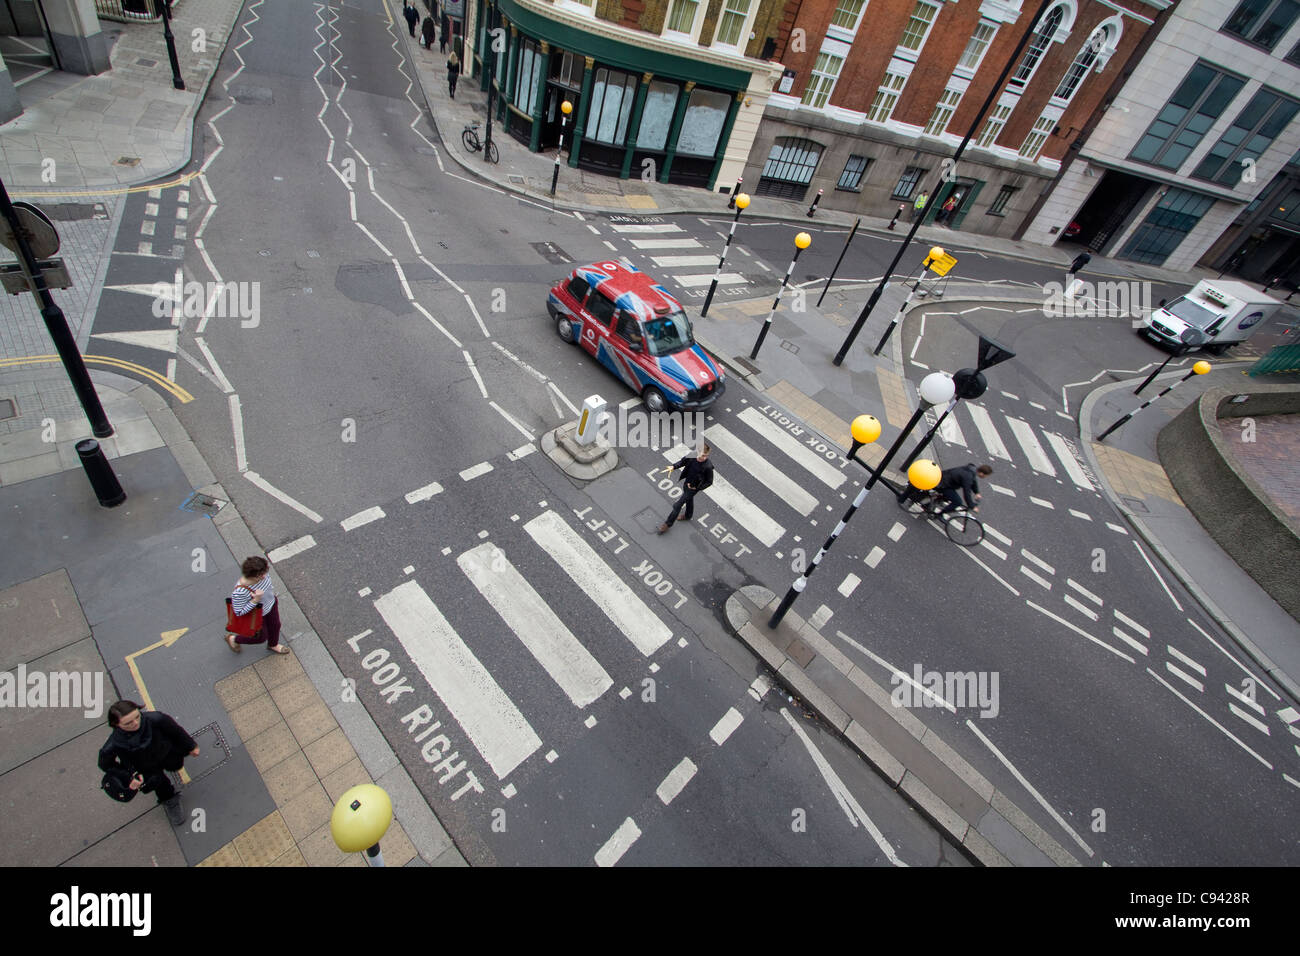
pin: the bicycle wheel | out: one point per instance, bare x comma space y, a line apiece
492, 155
470, 140
964, 529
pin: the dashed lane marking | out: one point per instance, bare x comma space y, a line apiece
1184, 676
1130, 641
676, 781
362, 518
1081, 608
1041, 503
1084, 591
296, 546
1081, 632
1034, 577
424, 494
726, 726
874, 557
1132, 623
1174, 690
622, 840
469, 474
1185, 659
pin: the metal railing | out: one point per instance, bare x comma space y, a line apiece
1280, 359
130, 11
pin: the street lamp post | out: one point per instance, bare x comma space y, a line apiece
742, 202
1200, 368
935, 389
565, 108
177, 82
801, 242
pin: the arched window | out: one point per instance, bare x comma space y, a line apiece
789, 168
1101, 40
1037, 46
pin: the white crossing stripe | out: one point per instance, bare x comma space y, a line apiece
526, 613
1038, 459
1084, 591
1257, 724
988, 434
618, 844
1186, 677
1185, 659
1244, 699
476, 701
473, 472
725, 727
1289, 715
605, 588
675, 781
1002, 491
425, 493
998, 551
897, 531
1034, 577
1132, 623
1068, 461
666, 262
848, 585
1115, 527
818, 465
727, 278
1080, 514
950, 432
727, 497
1081, 608
362, 518
1130, 641
296, 546
874, 557
683, 243
743, 454
1038, 561
646, 227
998, 535
1041, 503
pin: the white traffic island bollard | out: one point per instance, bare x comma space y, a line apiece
580, 448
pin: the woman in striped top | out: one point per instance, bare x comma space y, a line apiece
255, 588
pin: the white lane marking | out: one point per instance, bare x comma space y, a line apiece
675, 782
362, 518
874, 557
1068, 461
1186, 660
1002, 491
598, 581
1034, 577
744, 455
1174, 690
1080, 514
1245, 700
645, 227
1257, 724
1084, 591
1245, 670
762, 684
897, 531
852, 809
726, 496
1292, 780
816, 464
1015, 398
1080, 631
609, 245
1025, 436
237, 430
705, 278
1130, 641
281, 497
1041, 503
564, 398
996, 577
512, 420
523, 451
462, 683
849, 584
666, 262
725, 726
984, 425
1028, 786
1002, 538
531, 619
1041, 408
951, 432
219, 375
473, 369
482, 468
984, 543
296, 546
425, 493
1288, 715
682, 243
1080, 607
622, 840
1184, 676
1132, 623
1115, 527
1038, 561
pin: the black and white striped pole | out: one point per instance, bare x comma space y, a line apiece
816, 199
935, 253
801, 242
1200, 368
742, 201
566, 108
731, 203
936, 388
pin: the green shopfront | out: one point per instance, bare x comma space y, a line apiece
637, 111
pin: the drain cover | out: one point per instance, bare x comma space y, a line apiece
8, 409
200, 503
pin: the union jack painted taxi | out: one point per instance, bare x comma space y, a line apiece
633, 327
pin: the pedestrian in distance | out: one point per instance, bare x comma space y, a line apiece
697, 474
443, 33
255, 588
918, 205
412, 16
947, 209
427, 32
146, 744
453, 71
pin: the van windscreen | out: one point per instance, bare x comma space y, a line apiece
1191, 312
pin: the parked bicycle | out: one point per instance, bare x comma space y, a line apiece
961, 526
470, 138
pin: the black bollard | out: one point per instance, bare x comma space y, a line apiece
107, 488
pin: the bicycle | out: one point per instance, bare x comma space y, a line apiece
469, 137
961, 526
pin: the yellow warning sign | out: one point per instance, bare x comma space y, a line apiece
941, 265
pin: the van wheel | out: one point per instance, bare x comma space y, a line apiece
654, 400
565, 329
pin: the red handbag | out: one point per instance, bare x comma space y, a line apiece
243, 625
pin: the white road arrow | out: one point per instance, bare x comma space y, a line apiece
161, 340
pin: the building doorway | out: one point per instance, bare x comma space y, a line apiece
1107, 210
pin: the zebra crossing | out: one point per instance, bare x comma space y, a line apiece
1023, 436
690, 271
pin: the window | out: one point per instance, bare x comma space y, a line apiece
1294, 55
682, 17
976, 45
908, 181
851, 178
1082, 64
1037, 47
1288, 210
1199, 100
999, 207
1253, 131
918, 26
789, 168
705, 114
567, 70
657, 115
1168, 224
732, 23
628, 330
886, 97
846, 14
1037, 137
943, 111
1262, 22
529, 75
993, 128
822, 81
611, 104
578, 288
600, 308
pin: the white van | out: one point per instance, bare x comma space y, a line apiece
1224, 312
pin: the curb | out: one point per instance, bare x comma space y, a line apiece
1212, 609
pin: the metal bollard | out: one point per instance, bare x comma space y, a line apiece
107, 488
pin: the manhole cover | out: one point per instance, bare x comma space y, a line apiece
790, 347
127, 161
746, 364
1136, 504
517, 180
202, 504
8, 409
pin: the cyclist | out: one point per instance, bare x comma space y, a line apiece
964, 479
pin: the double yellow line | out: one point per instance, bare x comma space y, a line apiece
162, 382
181, 180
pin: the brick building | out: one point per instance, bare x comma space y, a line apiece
875, 96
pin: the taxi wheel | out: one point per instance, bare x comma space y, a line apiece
565, 328
654, 400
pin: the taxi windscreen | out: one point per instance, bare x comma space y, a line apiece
668, 333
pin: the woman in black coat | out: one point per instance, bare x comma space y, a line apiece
428, 33
147, 743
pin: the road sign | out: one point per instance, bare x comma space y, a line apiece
42, 238
941, 265
15, 283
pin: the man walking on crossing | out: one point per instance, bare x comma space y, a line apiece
697, 474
